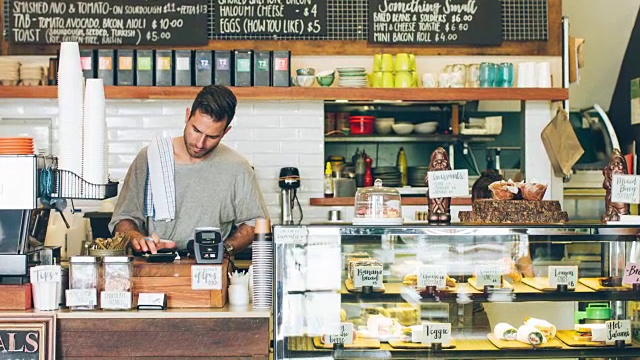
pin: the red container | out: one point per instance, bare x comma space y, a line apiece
361, 125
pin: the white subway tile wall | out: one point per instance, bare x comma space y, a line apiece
270, 134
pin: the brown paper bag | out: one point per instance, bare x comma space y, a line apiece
561, 143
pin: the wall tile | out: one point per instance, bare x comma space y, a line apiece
276, 160
124, 147
123, 122
276, 134
316, 133
164, 122
276, 107
302, 147
258, 147
297, 122
256, 121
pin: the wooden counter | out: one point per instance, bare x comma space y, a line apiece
406, 201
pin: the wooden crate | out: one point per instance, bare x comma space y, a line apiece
174, 279
15, 297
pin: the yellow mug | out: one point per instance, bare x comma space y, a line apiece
404, 79
387, 62
387, 79
376, 79
414, 75
402, 62
412, 62
377, 62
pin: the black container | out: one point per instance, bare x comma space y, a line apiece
124, 67
106, 69
183, 67
261, 68
88, 63
164, 68
203, 66
243, 68
222, 73
99, 223
144, 67
281, 68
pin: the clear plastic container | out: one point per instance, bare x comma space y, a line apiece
83, 275
377, 205
117, 282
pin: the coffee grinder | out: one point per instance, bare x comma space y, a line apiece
289, 182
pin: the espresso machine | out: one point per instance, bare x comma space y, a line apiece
23, 222
289, 182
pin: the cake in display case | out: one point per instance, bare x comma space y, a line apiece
377, 205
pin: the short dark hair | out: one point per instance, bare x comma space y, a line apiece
480, 188
217, 102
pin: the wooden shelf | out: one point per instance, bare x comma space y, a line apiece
407, 138
313, 93
407, 201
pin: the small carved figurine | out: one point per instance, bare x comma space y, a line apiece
439, 208
617, 165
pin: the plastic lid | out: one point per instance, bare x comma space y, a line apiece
117, 259
377, 188
83, 260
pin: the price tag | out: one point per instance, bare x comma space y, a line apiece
450, 183
206, 277
46, 273
115, 300
432, 275
81, 297
631, 274
290, 235
625, 189
563, 275
345, 337
436, 333
618, 330
488, 275
368, 276
151, 299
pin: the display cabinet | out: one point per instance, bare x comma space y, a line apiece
421, 291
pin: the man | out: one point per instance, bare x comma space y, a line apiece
214, 185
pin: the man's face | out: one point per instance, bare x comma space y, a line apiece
202, 134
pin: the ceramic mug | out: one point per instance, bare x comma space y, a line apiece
429, 80
387, 79
402, 62
414, 79
387, 62
404, 79
377, 62
412, 62
376, 79
444, 80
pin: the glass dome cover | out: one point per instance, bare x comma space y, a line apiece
377, 205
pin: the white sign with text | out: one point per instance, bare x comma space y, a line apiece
488, 275
631, 274
432, 275
563, 275
436, 333
618, 330
46, 273
81, 297
449, 183
206, 277
368, 276
120, 300
345, 337
290, 235
625, 189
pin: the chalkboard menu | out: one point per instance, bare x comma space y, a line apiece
435, 22
109, 22
270, 17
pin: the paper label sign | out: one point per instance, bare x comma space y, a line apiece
618, 330
450, 183
625, 189
488, 275
432, 275
81, 297
631, 274
563, 275
368, 276
345, 337
436, 333
115, 300
151, 299
206, 277
290, 235
51, 273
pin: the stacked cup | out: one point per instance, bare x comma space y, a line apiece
70, 95
95, 147
262, 259
46, 286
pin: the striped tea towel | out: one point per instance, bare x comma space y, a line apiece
160, 199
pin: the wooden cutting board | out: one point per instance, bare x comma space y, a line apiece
359, 343
594, 284
474, 284
567, 337
351, 288
401, 344
517, 345
539, 283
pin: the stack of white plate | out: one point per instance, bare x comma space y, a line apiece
355, 76
32, 75
9, 72
95, 147
70, 105
262, 288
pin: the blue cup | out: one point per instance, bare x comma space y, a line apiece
505, 75
487, 74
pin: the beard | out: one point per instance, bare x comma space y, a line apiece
194, 153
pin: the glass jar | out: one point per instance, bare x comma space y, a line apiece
458, 76
377, 205
117, 272
83, 275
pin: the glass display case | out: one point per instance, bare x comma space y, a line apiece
459, 291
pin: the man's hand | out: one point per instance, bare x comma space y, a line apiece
151, 243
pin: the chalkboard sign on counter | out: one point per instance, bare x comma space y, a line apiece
109, 22
270, 17
435, 22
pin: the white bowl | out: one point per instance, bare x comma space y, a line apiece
426, 127
402, 128
383, 125
305, 80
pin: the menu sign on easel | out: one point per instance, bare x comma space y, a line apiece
618, 330
109, 22
435, 22
432, 275
368, 276
563, 275
450, 183
270, 17
631, 274
433, 333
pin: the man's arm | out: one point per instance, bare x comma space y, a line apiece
241, 239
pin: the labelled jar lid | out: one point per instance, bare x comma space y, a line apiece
117, 259
83, 260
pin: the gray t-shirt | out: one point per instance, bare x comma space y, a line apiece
220, 191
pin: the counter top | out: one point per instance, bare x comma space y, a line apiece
204, 313
407, 201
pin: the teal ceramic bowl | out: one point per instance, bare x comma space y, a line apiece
326, 78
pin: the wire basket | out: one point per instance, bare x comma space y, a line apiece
69, 185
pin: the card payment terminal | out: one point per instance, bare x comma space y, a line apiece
208, 246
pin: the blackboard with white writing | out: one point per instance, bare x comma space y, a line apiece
435, 22
110, 22
20, 342
270, 17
